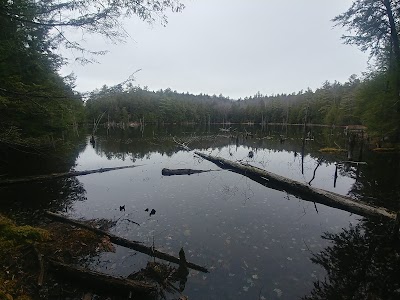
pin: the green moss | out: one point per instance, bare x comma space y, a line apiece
12, 235
12, 238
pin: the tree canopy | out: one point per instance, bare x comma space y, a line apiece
102, 17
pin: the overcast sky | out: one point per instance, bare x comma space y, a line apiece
233, 47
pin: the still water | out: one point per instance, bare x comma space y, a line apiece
256, 242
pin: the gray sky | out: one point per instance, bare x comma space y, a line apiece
233, 47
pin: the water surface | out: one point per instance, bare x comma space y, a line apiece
257, 242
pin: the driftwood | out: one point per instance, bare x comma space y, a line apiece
58, 175
134, 245
351, 162
184, 146
100, 280
300, 190
40, 279
170, 172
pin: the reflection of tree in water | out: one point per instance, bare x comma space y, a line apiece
363, 262
379, 181
131, 144
26, 201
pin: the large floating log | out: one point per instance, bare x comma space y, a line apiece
170, 172
134, 245
40, 178
299, 189
101, 280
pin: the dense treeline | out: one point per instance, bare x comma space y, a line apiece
354, 102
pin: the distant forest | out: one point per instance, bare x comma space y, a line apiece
354, 102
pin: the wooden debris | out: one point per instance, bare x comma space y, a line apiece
171, 172
351, 162
134, 245
332, 150
225, 129
41, 266
385, 149
300, 190
100, 280
40, 178
184, 146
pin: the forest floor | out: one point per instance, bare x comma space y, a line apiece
25, 251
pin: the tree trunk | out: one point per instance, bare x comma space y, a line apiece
394, 37
134, 245
40, 178
170, 172
300, 190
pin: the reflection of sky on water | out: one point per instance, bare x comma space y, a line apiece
255, 241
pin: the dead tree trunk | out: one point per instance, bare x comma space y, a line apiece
299, 189
171, 172
40, 178
134, 245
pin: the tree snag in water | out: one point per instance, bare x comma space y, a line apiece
299, 189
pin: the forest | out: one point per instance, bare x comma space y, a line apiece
38, 106
332, 104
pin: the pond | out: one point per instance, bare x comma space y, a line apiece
257, 243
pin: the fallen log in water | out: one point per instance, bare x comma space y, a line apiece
39, 178
170, 172
300, 190
101, 281
134, 245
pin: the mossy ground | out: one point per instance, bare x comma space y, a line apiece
19, 261
20, 268
15, 244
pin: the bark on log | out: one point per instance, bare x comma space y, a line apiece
134, 245
100, 280
170, 172
58, 175
300, 190
41, 266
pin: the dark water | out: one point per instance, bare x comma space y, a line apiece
256, 242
